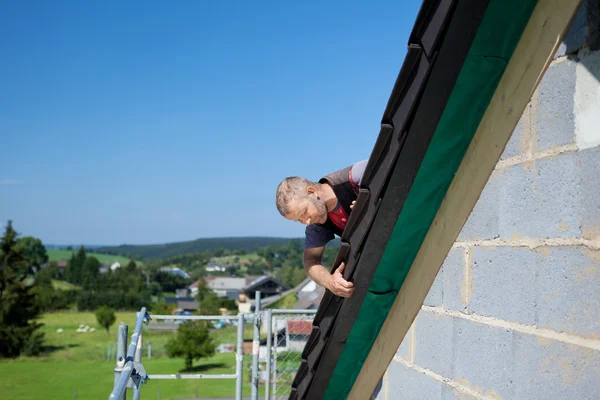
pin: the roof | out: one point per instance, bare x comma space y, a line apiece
173, 270
251, 278
299, 327
259, 281
206, 280
310, 300
216, 264
226, 283
222, 280
438, 44
302, 290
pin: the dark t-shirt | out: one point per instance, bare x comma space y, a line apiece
318, 235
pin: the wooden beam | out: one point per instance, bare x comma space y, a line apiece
541, 38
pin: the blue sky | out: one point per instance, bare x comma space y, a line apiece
152, 122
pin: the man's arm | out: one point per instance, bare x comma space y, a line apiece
334, 283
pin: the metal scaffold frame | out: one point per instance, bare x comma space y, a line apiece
129, 371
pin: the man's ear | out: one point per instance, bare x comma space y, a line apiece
311, 190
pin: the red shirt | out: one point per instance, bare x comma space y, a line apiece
339, 216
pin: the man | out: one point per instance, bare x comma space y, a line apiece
324, 207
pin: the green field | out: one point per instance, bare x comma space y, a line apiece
286, 302
77, 362
57, 255
92, 380
242, 261
63, 285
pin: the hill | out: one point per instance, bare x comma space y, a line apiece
56, 255
166, 250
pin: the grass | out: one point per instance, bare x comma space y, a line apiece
57, 255
63, 285
286, 302
78, 362
69, 345
91, 380
242, 261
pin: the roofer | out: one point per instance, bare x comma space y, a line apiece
324, 207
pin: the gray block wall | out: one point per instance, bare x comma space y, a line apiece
514, 312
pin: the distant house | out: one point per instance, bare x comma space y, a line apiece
193, 288
215, 267
309, 295
115, 265
227, 286
267, 285
223, 286
297, 334
176, 271
288, 335
62, 266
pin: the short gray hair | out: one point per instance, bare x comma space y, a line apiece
290, 190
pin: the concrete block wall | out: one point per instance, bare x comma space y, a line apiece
514, 313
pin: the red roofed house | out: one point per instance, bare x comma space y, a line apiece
298, 332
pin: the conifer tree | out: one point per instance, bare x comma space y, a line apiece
18, 309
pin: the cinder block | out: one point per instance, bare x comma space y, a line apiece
449, 393
433, 349
588, 162
554, 119
453, 279
504, 283
435, 296
568, 290
587, 101
541, 200
514, 147
409, 384
483, 221
484, 358
547, 369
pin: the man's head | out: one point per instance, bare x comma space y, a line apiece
298, 199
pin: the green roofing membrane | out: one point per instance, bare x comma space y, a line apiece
492, 48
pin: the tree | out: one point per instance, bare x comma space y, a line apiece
192, 342
105, 317
33, 250
203, 290
74, 272
131, 267
90, 272
162, 308
49, 298
209, 301
256, 268
45, 276
210, 305
18, 306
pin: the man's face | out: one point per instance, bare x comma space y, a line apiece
308, 210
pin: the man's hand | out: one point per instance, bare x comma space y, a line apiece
338, 285
352, 205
